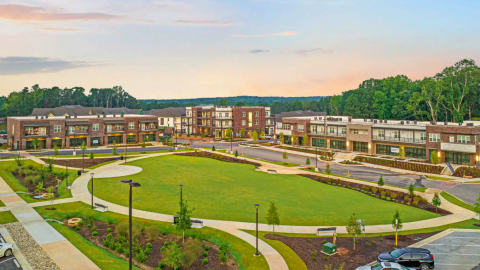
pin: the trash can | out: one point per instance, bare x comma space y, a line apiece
121, 157
329, 248
79, 172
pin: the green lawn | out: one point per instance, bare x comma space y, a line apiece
285, 164
2, 204
228, 191
120, 152
449, 197
7, 217
16, 185
434, 177
240, 250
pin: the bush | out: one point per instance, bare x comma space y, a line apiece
89, 225
110, 221
141, 256
325, 258
162, 249
206, 247
223, 257
136, 230
94, 228
205, 261
313, 258
122, 229
152, 232
374, 242
166, 243
324, 241
314, 253
191, 251
149, 245
205, 254
368, 244
95, 233
109, 229
161, 265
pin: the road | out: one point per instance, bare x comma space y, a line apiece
467, 192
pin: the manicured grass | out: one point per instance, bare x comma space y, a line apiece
227, 191
449, 197
290, 257
102, 164
16, 185
120, 152
433, 177
2, 204
7, 217
99, 256
285, 164
240, 250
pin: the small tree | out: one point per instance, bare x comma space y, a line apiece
328, 170
213, 148
39, 188
143, 144
84, 148
281, 137
19, 160
307, 162
262, 134
236, 153
436, 201
228, 133
411, 191
242, 132
273, 217
305, 140
353, 228
56, 152
173, 255
91, 155
285, 156
294, 139
35, 143
380, 181
476, 206
255, 136
435, 159
184, 222
399, 224
401, 152
50, 195
114, 148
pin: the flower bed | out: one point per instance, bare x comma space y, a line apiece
349, 162
305, 150
401, 164
381, 193
37, 181
217, 157
79, 162
467, 171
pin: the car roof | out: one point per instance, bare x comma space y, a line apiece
391, 264
420, 250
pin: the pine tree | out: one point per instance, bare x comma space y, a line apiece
114, 148
396, 216
213, 148
236, 153
91, 155
307, 162
436, 201
411, 191
380, 181
327, 169
273, 217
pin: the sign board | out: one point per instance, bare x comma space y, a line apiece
326, 231
458, 147
95, 141
394, 149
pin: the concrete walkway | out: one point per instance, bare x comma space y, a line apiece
45, 235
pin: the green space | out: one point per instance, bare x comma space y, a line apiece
102, 164
433, 177
7, 217
240, 250
5, 172
2, 204
285, 164
120, 152
449, 197
227, 191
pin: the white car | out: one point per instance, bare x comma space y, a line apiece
6, 250
383, 265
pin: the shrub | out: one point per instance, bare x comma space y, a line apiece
136, 230
152, 232
205, 261
109, 229
324, 241
141, 257
313, 258
89, 225
374, 242
206, 247
205, 254
314, 253
222, 257
191, 251
325, 258
94, 228
374, 189
381, 238
161, 265
368, 244
110, 221
78, 229
162, 249
166, 243
94, 233
122, 229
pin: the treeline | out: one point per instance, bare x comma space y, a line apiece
241, 100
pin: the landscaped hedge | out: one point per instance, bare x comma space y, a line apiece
467, 171
217, 157
401, 164
305, 150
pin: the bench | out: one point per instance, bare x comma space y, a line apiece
103, 207
272, 171
195, 223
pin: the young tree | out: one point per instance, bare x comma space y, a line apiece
236, 153
242, 132
436, 201
262, 134
84, 148
213, 148
184, 222
305, 140
50, 195
35, 143
476, 206
114, 148
19, 160
173, 255
143, 144
435, 159
380, 181
255, 136
399, 224
285, 156
56, 152
294, 139
91, 155
411, 191
228, 133
353, 228
281, 137
401, 152
307, 162
273, 217
328, 170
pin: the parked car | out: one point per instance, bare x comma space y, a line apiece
6, 250
383, 265
417, 258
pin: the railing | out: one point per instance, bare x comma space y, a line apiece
77, 132
399, 139
334, 134
116, 130
223, 117
36, 134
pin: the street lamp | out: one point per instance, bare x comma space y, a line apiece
91, 174
132, 185
231, 141
126, 148
256, 253
181, 194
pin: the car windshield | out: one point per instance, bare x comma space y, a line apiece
377, 266
396, 253
404, 268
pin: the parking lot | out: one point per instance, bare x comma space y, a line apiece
456, 251
9, 263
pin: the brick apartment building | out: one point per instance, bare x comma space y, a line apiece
72, 131
454, 143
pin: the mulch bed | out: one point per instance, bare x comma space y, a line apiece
218, 157
78, 163
345, 254
423, 204
50, 181
156, 255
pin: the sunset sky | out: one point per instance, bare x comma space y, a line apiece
205, 48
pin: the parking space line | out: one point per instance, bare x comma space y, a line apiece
462, 237
456, 264
452, 245
7, 260
457, 254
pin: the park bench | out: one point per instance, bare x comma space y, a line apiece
272, 171
195, 223
102, 207
330, 231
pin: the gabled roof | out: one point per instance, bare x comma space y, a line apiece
168, 112
67, 110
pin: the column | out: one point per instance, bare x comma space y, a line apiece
88, 140
48, 144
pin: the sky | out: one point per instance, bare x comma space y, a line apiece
160, 49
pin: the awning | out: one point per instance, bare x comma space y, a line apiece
110, 122
78, 123
36, 124
148, 120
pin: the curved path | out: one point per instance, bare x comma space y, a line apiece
80, 192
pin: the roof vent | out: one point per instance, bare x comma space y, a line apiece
385, 121
41, 117
445, 123
121, 115
375, 121
365, 120
349, 119
75, 116
470, 124
415, 122
98, 115
460, 124
408, 122
104, 115
401, 122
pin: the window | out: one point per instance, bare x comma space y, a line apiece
355, 131
118, 127
244, 122
432, 137
244, 114
95, 127
71, 129
463, 139
332, 130
381, 133
131, 125
286, 126
343, 130
82, 128
109, 128
162, 121
256, 113
475, 139
452, 139
423, 136
314, 129
193, 113
266, 113
57, 129
226, 115
396, 134
256, 122
301, 128
13, 129
409, 137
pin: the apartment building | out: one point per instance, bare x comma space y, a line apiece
216, 120
72, 131
454, 143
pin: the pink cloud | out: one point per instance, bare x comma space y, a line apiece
204, 23
61, 29
28, 13
288, 33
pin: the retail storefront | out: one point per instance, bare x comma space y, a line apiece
95, 141
457, 158
118, 139
58, 142
318, 142
393, 150
77, 141
340, 145
131, 138
41, 143
151, 137
360, 147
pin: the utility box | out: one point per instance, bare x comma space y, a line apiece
329, 248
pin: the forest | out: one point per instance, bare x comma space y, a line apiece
453, 94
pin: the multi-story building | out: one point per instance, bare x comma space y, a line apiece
70, 131
453, 142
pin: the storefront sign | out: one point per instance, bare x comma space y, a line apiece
95, 141
394, 149
458, 147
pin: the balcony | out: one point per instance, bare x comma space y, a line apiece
399, 139
33, 134
115, 130
203, 124
329, 134
77, 132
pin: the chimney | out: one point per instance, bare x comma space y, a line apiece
41, 117
401, 122
98, 115
46, 117
365, 120
350, 120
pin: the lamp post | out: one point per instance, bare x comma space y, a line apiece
256, 247
316, 157
132, 185
181, 194
231, 141
91, 174
126, 148
66, 174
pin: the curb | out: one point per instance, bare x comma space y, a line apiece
432, 238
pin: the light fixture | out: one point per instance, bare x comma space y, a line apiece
439, 154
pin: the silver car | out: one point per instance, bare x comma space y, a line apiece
383, 265
6, 250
